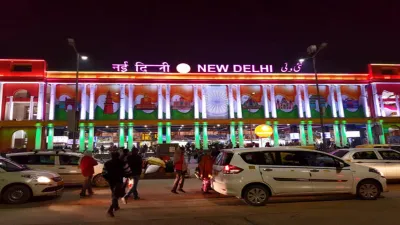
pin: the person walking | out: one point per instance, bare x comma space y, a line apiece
113, 172
205, 168
87, 164
135, 163
180, 170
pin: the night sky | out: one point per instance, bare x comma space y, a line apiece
228, 32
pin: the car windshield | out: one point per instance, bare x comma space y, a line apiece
10, 166
340, 153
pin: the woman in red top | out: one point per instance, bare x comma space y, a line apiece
205, 167
180, 170
87, 165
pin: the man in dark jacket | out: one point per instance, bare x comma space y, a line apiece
113, 172
135, 163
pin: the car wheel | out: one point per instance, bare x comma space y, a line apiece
99, 181
256, 195
368, 190
17, 194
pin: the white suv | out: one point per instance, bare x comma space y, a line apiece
64, 163
256, 174
18, 183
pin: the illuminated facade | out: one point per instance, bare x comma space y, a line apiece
35, 103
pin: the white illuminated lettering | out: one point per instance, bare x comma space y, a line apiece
202, 68
263, 68
254, 69
246, 68
211, 68
237, 68
222, 68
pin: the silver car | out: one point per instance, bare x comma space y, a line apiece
387, 161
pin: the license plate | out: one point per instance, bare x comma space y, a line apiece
60, 183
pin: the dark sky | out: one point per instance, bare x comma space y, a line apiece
242, 32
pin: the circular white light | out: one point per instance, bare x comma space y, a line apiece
84, 57
183, 68
43, 179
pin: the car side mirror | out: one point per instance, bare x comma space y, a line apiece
340, 165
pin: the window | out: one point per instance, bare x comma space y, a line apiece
322, 160
340, 153
270, 158
35, 159
397, 148
224, 158
8, 166
293, 158
365, 155
390, 155
69, 160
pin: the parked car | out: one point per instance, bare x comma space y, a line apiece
64, 163
18, 184
386, 161
256, 174
390, 146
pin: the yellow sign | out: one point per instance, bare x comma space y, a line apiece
263, 131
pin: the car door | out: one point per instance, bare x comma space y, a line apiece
368, 158
391, 159
286, 172
68, 168
326, 174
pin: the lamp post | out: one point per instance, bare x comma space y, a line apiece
313, 51
71, 42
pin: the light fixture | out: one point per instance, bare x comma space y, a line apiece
182, 125
106, 126
302, 60
288, 124
84, 57
245, 126
183, 68
145, 125
218, 125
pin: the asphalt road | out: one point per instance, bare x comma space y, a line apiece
158, 206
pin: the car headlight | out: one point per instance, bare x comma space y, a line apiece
372, 170
43, 180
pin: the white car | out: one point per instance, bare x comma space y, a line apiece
386, 161
64, 163
256, 174
18, 183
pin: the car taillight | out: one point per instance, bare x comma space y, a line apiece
229, 169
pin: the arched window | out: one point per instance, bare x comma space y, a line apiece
22, 94
19, 139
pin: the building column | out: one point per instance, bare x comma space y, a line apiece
50, 136
203, 102
299, 101
30, 115
340, 101
121, 135
82, 137
310, 134
196, 101
130, 102
91, 101
168, 133
398, 105
122, 102
40, 102
375, 97
238, 102
333, 102
130, 136
233, 134
369, 132
382, 136
364, 97
160, 102
265, 97
231, 105
303, 139
11, 113
91, 137
241, 134
196, 135
83, 102
38, 136
343, 133
307, 101
205, 136
52, 101
160, 133
336, 133
273, 102
276, 133
168, 102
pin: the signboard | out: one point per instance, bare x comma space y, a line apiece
263, 131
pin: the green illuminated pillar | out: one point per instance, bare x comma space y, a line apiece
303, 140
121, 135
233, 134
382, 136
160, 134
336, 132
81, 137
130, 136
241, 135
196, 135
168, 133
276, 134
343, 133
310, 135
91, 137
50, 135
369, 133
38, 137
205, 136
